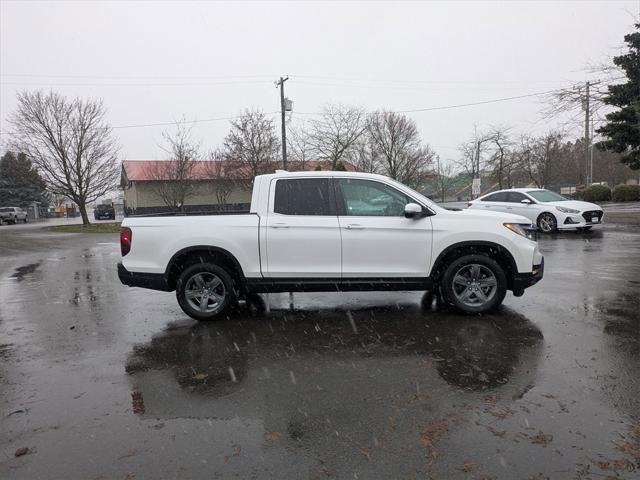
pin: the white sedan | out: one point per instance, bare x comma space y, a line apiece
549, 210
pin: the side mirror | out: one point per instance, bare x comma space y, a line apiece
525, 201
412, 210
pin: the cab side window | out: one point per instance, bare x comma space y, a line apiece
303, 196
368, 198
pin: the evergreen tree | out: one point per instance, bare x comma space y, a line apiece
20, 183
622, 131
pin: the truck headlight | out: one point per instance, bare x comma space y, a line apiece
567, 210
524, 230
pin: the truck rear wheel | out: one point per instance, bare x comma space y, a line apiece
205, 291
474, 284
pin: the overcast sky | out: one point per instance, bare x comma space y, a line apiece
155, 62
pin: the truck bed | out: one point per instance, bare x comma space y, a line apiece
157, 238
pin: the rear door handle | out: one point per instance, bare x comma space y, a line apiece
354, 226
279, 225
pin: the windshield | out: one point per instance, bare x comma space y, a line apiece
547, 196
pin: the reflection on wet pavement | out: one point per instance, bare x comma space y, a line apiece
321, 350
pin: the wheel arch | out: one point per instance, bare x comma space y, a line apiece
491, 249
187, 256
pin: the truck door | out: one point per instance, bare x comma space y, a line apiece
377, 239
302, 230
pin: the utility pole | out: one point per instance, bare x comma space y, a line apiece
280, 83
586, 135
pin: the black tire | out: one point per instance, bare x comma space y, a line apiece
547, 223
186, 280
26, 219
491, 283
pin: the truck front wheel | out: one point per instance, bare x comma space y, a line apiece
205, 291
474, 284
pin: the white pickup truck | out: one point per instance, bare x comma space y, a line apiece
331, 231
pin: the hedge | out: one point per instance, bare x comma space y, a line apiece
596, 193
626, 193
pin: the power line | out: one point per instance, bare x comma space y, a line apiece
446, 107
129, 77
298, 76
428, 109
267, 76
102, 84
416, 110
163, 124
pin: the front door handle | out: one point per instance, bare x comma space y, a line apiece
354, 226
279, 225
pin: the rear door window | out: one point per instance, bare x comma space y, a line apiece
303, 196
496, 197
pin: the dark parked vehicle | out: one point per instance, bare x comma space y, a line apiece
104, 212
13, 215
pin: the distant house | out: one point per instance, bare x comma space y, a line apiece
215, 185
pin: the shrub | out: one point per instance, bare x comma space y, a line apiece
626, 193
596, 193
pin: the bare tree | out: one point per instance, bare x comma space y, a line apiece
253, 143
444, 177
501, 159
572, 100
70, 143
334, 135
174, 179
218, 171
540, 157
365, 156
299, 145
472, 155
396, 137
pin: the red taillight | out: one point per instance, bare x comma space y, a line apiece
125, 240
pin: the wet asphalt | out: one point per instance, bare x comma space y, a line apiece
101, 381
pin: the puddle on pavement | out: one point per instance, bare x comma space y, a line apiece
25, 270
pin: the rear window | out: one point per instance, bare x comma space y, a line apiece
302, 196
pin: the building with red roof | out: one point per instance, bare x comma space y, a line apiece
152, 186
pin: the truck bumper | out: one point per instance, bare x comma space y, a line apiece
152, 281
526, 280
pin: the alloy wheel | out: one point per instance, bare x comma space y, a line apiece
205, 292
474, 285
547, 223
